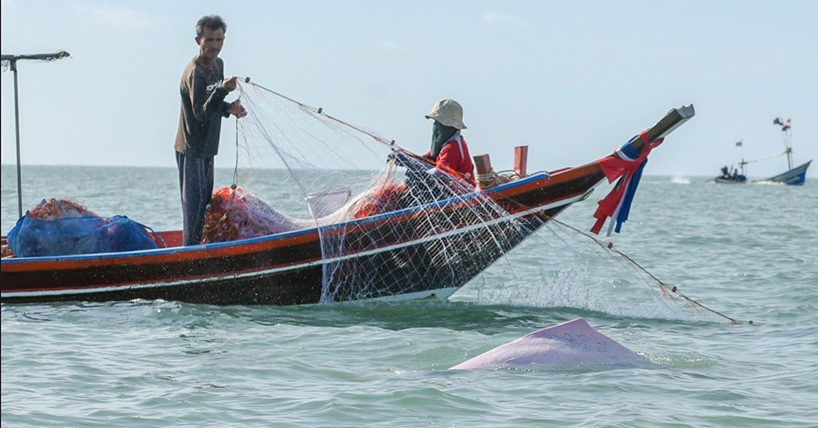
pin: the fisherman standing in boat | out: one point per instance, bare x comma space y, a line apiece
203, 90
449, 149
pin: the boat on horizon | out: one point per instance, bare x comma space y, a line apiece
792, 176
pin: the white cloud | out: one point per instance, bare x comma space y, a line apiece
114, 17
500, 18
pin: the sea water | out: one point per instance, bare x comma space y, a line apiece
749, 252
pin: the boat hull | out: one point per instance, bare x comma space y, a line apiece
796, 176
288, 268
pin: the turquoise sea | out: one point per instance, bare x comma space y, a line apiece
747, 251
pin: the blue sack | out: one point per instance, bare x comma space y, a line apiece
33, 237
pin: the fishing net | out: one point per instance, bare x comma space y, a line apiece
388, 223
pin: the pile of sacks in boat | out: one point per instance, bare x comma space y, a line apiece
235, 213
57, 227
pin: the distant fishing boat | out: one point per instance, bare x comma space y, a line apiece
793, 176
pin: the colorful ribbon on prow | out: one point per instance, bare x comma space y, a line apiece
627, 165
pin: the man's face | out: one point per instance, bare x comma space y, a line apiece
210, 43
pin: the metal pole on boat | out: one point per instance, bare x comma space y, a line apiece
786, 133
17, 136
12, 65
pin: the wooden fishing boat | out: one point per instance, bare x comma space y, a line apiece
795, 176
289, 268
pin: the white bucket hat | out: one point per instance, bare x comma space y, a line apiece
448, 112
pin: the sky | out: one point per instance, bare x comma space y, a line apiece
572, 80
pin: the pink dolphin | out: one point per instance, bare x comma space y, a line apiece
572, 345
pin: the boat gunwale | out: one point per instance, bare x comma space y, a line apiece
261, 243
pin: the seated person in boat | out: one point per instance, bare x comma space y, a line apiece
453, 170
449, 151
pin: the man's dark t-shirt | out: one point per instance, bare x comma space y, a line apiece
203, 106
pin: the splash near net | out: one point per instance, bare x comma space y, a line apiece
390, 224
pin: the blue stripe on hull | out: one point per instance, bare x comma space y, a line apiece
796, 176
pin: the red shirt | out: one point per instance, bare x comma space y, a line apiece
455, 156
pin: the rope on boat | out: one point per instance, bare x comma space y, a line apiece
766, 158
320, 111
609, 246
236, 167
